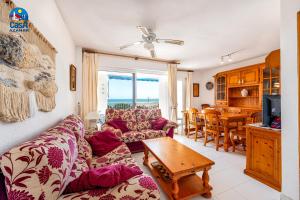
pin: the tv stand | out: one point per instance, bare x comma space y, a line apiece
264, 155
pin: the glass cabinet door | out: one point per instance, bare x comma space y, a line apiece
271, 80
221, 88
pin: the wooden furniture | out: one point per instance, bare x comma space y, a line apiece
271, 73
227, 120
213, 127
203, 106
177, 174
195, 125
229, 85
264, 155
221, 89
238, 135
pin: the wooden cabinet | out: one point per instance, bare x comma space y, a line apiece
234, 78
221, 89
244, 76
271, 73
264, 155
250, 76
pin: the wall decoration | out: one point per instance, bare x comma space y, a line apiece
209, 85
27, 68
72, 77
196, 87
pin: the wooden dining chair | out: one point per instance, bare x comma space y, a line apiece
213, 128
256, 117
238, 136
195, 124
205, 105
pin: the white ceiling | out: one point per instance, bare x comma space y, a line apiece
210, 28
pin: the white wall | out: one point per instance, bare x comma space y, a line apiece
46, 17
205, 75
289, 79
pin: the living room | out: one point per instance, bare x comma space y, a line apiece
126, 90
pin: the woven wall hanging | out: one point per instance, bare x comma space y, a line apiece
27, 65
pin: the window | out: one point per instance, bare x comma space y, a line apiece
128, 90
147, 91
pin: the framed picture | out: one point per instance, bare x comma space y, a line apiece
72, 77
196, 89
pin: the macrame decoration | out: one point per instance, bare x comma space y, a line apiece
27, 65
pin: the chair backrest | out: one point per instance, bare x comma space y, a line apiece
192, 114
212, 121
256, 117
203, 106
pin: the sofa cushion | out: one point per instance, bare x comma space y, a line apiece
103, 142
39, 169
145, 116
159, 123
117, 154
109, 176
85, 150
138, 187
80, 165
75, 124
118, 124
133, 136
127, 115
150, 133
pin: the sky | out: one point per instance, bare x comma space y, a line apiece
122, 89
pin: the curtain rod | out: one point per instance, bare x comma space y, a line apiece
185, 70
130, 56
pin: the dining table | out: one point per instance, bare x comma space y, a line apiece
227, 119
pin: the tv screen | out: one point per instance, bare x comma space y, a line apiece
271, 109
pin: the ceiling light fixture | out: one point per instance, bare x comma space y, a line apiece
228, 56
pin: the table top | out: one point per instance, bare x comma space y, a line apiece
175, 156
225, 116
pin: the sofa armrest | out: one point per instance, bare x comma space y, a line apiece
117, 132
170, 124
169, 128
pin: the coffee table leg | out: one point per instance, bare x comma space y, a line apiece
175, 189
205, 179
146, 156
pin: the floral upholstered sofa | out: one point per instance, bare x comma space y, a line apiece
40, 169
139, 125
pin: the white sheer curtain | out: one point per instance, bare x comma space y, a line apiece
164, 96
188, 90
172, 86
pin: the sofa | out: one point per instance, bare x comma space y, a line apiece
139, 125
41, 169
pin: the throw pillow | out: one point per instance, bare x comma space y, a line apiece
103, 142
119, 124
159, 123
109, 176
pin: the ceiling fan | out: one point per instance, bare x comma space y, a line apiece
149, 37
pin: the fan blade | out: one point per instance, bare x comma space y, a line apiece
170, 41
131, 44
144, 30
153, 54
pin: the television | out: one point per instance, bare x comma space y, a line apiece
271, 109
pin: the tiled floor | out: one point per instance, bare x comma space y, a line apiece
226, 176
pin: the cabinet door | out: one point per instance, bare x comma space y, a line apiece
250, 76
234, 79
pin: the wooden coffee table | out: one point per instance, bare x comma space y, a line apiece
174, 166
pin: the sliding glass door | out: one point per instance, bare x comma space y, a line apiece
132, 90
